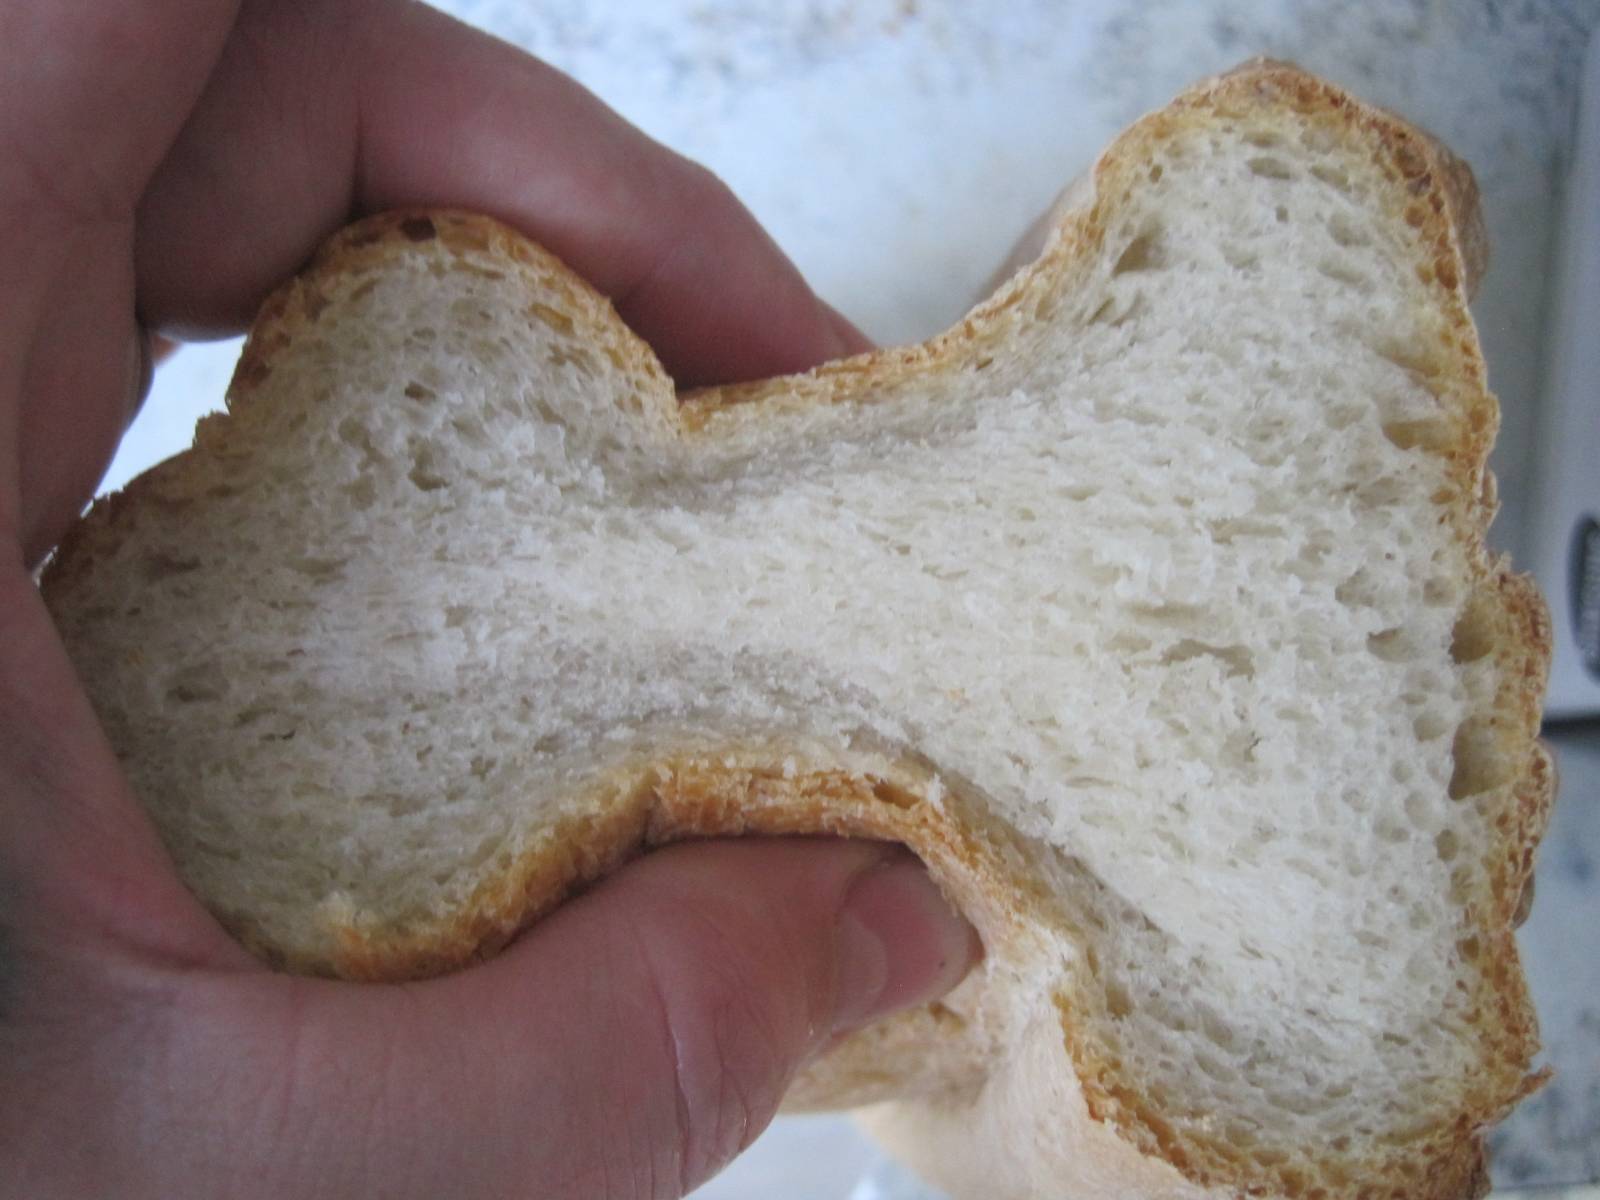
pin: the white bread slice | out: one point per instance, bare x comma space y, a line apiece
1149, 606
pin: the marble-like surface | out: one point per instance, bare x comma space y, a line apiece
897, 147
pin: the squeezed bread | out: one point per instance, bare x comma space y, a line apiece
1149, 605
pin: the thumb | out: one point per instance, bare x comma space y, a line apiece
657, 1021
629, 1045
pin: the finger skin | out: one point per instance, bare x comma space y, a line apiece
91, 97
628, 1046
391, 103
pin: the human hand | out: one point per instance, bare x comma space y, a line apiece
164, 163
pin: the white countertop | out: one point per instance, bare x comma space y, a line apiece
896, 148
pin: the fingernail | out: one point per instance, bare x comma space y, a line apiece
900, 943
138, 374
145, 352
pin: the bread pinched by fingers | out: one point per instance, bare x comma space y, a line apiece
1149, 605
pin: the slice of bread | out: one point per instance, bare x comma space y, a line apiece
1149, 605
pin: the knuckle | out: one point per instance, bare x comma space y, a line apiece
706, 203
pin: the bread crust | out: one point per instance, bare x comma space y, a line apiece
747, 790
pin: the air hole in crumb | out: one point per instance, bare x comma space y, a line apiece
197, 684
1334, 177
1417, 809
1474, 633
552, 317
417, 391
470, 429
423, 472
353, 433
1281, 215
401, 806
1479, 764
1226, 531
1390, 645
1241, 1135
1240, 258
574, 356
1392, 832
1344, 232
455, 615
159, 565
363, 493
1383, 492
892, 794
1439, 592
1357, 590
1263, 139
1339, 272
1141, 254
1446, 845
1135, 306
1118, 1003
1428, 433
1216, 1031
1429, 726
1234, 659
1409, 357
1354, 799
318, 570
1266, 166
946, 1016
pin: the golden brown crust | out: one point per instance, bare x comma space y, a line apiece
1433, 196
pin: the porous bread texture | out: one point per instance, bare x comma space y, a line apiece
1149, 606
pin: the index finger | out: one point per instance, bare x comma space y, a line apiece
313, 119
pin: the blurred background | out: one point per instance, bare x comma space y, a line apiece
897, 148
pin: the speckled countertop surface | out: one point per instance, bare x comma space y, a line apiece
896, 148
